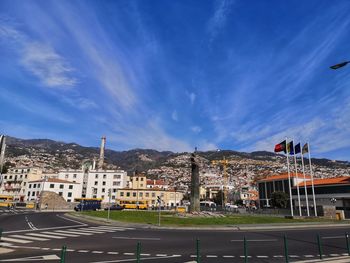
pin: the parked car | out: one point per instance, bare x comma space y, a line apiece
231, 206
115, 207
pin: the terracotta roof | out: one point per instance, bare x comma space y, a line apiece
329, 181
283, 176
53, 180
155, 182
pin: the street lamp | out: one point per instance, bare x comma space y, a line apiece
340, 65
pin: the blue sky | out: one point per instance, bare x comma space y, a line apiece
172, 75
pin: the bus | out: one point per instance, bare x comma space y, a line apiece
6, 201
133, 204
86, 204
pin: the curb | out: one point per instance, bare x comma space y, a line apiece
344, 259
99, 220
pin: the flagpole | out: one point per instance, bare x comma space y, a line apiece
305, 189
290, 188
312, 179
296, 178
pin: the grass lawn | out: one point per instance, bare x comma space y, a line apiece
168, 218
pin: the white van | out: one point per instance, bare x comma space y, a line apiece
207, 205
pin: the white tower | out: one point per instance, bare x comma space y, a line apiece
102, 152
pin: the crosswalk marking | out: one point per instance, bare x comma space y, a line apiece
92, 231
28, 237
15, 240
74, 232
61, 234
42, 235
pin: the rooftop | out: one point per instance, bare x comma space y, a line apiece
284, 176
329, 181
53, 180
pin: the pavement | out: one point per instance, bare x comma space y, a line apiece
39, 237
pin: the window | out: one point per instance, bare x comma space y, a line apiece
96, 183
69, 194
104, 176
141, 178
114, 190
113, 196
103, 190
102, 196
28, 193
60, 193
141, 185
96, 176
30, 185
153, 194
70, 187
121, 193
33, 193
67, 175
38, 185
116, 183
52, 185
69, 200
74, 176
34, 185
116, 176
103, 183
147, 194
5, 177
128, 194
134, 194
61, 186
25, 176
141, 194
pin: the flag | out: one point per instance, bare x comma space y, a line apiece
297, 148
281, 147
290, 149
305, 148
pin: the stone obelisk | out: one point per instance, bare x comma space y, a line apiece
194, 207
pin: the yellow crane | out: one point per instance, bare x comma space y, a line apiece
224, 164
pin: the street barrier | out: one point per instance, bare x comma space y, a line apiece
347, 243
286, 249
63, 254
319, 245
245, 250
198, 251
138, 252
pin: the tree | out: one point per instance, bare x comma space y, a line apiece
239, 202
279, 199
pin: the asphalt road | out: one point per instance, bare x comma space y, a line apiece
88, 242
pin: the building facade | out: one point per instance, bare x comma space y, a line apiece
68, 190
15, 181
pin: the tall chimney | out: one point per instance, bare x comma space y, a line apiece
102, 152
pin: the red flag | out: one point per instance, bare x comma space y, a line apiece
281, 147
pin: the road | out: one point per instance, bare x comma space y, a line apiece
42, 235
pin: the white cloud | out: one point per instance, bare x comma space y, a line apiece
80, 103
43, 62
174, 116
218, 20
196, 129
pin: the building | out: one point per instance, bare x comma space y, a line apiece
15, 181
160, 184
139, 192
328, 191
68, 190
278, 183
96, 183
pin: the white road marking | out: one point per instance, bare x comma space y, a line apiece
116, 227
228, 256
309, 256
115, 253
138, 238
61, 234
147, 255
334, 255
91, 231
83, 251
3, 244
255, 240
129, 254
262, 256
41, 229
212, 256
97, 252
161, 255
28, 237
75, 232
278, 256
293, 256
42, 235
15, 240
75, 221
133, 259
36, 258
334, 237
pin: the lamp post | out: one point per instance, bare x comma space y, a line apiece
340, 65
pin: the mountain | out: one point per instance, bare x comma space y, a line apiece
54, 155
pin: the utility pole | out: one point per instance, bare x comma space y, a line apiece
159, 200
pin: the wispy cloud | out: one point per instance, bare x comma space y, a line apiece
46, 64
196, 129
218, 20
174, 115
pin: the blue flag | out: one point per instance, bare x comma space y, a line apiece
297, 148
